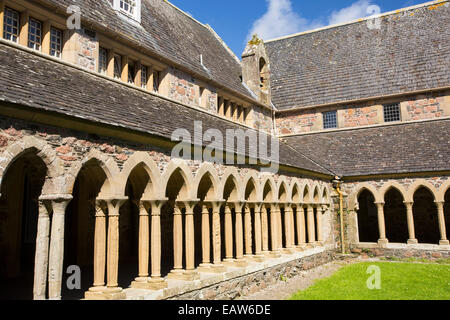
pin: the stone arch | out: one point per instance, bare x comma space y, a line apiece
231, 179
283, 190
251, 195
418, 184
442, 191
316, 195
395, 215
392, 185
326, 195
307, 193
143, 160
207, 169
268, 189
295, 193
180, 166
55, 166
425, 215
106, 163
353, 199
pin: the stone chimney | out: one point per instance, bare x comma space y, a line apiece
256, 69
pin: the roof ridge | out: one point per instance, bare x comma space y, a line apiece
426, 4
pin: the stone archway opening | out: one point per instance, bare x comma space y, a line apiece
447, 212
395, 217
230, 195
367, 217
425, 217
249, 226
270, 216
79, 229
19, 209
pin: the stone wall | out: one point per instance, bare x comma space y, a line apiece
402, 253
81, 48
262, 119
251, 283
419, 107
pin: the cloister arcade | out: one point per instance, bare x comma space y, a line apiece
150, 224
417, 214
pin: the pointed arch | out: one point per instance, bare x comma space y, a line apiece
283, 190
442, 191
295, 191
316, 195
251, 195
178, 166
143, 160
353, 199
392, 185
207, 169
268, 189
306, 193
230, 179
325, 195
418, 184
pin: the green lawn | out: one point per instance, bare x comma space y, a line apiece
399, 281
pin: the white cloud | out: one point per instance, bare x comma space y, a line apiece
280, 20
359, 9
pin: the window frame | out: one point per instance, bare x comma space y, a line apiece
33, 43
144, 76
57, 54
389, 113
117, 67
326, 120
136, 15
103, 71
5, 25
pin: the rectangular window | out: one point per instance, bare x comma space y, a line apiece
156, 80
391, 112
117, 67
102, 61
129, 6
11, 25
144, 77
34, 34
330, 120
55, 42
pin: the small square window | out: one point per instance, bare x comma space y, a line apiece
391, 112
11, 25
34, 34
330, 120
55, 42
144, 77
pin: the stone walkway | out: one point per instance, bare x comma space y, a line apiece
282, 290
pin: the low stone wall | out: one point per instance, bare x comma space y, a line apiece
402, 253
251, 283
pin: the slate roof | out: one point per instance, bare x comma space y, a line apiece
170, 34
403, 148
29, 80
410, 52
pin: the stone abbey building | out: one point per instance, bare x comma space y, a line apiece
89, 185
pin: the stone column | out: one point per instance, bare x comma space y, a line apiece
279, 228
381, 224
190, 273
264, 230
258, 231
217, 266
248, 232
274, 213
311, 225
206, 241
320, 212
441, 218
288, 212
239, 235
101, 210
410, 219
144, 241
156, 281
301, 230
56, 258
42, 243
228, 235
177, 243
112, 259
292, 224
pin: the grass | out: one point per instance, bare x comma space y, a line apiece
399, 281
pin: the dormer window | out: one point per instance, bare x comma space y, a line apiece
130, 8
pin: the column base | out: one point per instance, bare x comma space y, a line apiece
104, 293
241, 263
205, 268
383, 242
218, 268
149, 284
444, 242
301, 247
288, 250
413, 241
249, 257
275, 254
184, 275
228, 262
259, 257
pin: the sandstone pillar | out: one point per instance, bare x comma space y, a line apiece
381, 224
320, 212
228, 235
217, 266
239, 235
301, 230
248, 232
56, 258
410, 219
274, 214
144, 241
190, 273
264, 230
42, 243
206, 239
441, 218
258, 230
288, 226
177, 242
311, 225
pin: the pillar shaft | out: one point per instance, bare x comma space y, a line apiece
258, 230
381, 223
311, 225
239, 233
264, 229
287, 226
156, 239
42, 243
301, 234
279, 228
274, 228
190, 243
55, 267
177, 238
410, 221
228, 234
100, 245
441, 220
143, 240
206, 242
320, 212
248, 231
217, 250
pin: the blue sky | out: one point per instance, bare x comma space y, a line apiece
236, 20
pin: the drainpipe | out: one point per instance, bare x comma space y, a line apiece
337, 183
